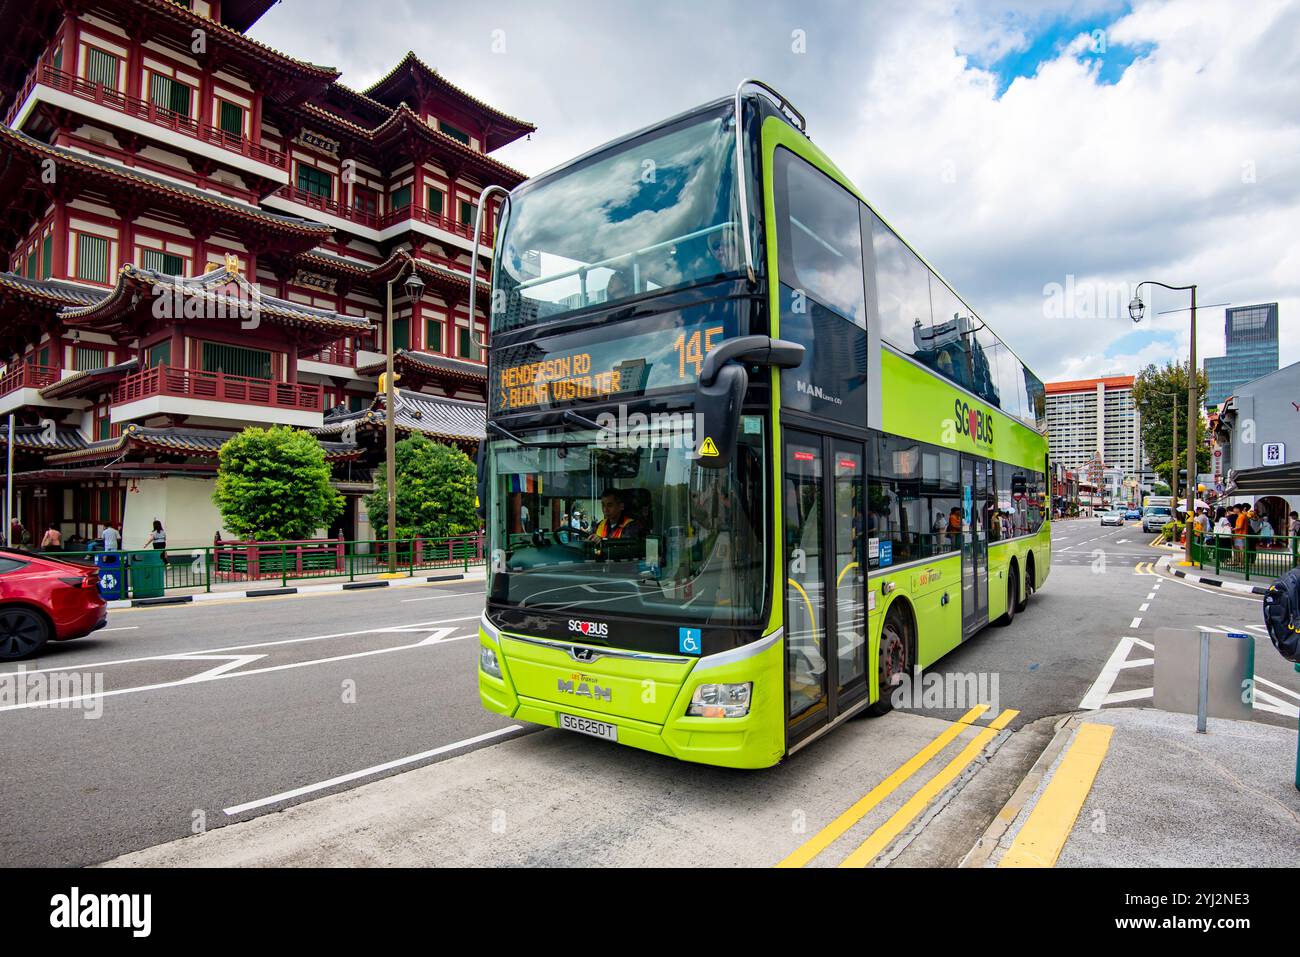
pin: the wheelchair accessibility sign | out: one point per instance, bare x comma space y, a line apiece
688, 641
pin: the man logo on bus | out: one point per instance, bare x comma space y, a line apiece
973, 422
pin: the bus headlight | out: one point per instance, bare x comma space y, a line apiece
721, 701
487, 660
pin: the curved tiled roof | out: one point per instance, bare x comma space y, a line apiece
121, 300
432, 416
89, 381
184, 195
431, 363
33, 438
391, 82
183, 441
52, 291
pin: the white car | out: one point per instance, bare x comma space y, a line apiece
1156, 517
1113, 517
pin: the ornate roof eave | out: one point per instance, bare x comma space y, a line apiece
176, 441
134, 285
411, 70
405, 123
310, 77
89, 382
181, 199
437, 275
420, 362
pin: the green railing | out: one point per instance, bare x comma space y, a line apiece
272, 564
1250, 556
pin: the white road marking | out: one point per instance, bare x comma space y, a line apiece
1136, 623
1267, 702
1119, 697
417, 626
1151, 595
210, 676
366, 772
1277, 687
1212, 590
458, 594
121, 628
1144, 606
231, 663
1096, 695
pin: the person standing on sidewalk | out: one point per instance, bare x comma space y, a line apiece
52, 541
112, 540
1293, 525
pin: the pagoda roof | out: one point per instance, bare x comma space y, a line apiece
402, 124
34, 438
432, 416
90, 382
431, 365
175, 440
183, 200
135, 290
437, 275
52, 292
242, 14
412, 80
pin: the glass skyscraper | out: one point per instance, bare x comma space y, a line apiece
1251, 336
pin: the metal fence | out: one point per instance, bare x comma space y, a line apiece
279, 563
1251, 556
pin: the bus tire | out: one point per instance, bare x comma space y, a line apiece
1013, 597
1028, 591
894, 658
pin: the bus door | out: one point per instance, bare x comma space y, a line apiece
975, 484
824, 534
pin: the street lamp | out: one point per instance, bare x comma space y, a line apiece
1136, 309
414, 286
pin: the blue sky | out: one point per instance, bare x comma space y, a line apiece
1046, 38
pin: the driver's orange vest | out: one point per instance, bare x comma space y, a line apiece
602, 525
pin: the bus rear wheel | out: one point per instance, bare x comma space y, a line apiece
1029, 586
1013, 598
894, 662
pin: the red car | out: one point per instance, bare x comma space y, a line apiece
43, 598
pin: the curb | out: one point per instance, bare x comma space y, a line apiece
271, 592
989, 842
1219, 583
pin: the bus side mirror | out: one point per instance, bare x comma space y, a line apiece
720, 391
717, 416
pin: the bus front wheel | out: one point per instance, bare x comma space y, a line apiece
894, 662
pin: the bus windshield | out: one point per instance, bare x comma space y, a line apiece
652, 214
631, 526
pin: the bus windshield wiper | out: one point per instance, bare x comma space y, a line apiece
505, 433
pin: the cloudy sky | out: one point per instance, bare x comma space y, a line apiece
1024, 148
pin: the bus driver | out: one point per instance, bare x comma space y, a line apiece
616, 524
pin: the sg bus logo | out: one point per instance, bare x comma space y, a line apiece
973, 422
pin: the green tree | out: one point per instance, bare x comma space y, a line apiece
1153, 394
273, 484
436, 485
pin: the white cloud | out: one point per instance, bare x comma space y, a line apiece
1147, 178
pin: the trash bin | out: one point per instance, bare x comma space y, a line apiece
147, 574
112, 575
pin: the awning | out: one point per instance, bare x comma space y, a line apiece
1267, 480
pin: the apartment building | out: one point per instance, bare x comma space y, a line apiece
1089, 419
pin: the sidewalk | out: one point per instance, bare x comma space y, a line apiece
228, 591
1162, 796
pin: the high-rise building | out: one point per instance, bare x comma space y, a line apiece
202, 236
1089, 419
1250, 333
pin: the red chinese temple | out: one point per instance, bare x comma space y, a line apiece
200, 232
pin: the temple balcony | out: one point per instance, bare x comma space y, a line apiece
197, 394
47, 84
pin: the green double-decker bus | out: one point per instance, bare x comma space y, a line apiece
750, 461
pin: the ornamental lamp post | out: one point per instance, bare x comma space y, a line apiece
414, 287
1136, 309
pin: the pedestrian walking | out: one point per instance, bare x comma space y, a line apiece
157, 537
1293, 525
112, 538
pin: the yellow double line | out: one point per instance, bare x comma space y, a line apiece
883, 835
